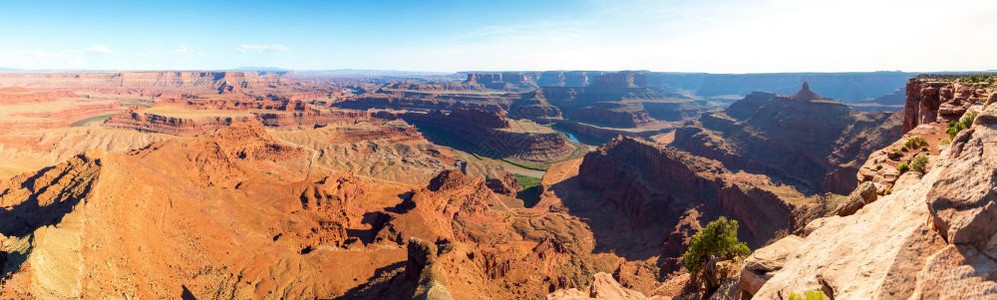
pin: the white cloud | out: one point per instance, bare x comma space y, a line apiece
184, 50
262, 48
180, 50
99, 49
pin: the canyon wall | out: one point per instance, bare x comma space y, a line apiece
136, 119
311, 118
491, 134
941, 99
932, 103
200, 81
802, 139
656, 185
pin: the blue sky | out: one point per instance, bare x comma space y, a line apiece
664, 35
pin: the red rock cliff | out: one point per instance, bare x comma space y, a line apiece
655, 185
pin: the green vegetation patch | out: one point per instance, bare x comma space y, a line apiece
919, 163
529, 189
980, 78
717, 240
915, 143
956, 126
809, 295
903, 167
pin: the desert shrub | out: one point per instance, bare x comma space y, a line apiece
956, 126
717, 241
879, 167
915, 143
918, 163
526, 182
953, 129
980, 78
968, 119
809, 295
903, 167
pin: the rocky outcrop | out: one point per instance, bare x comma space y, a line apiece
863, 195
484, 247
422, 277
936, 242
336, 200
758, 268
941, 98
963, 202
395, 131
311, 118
30, 201
503, 182
137, 119
881, 166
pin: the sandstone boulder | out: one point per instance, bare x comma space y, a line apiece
963, 202
864, 194
759, 266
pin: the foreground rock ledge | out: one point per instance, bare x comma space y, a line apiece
928, 240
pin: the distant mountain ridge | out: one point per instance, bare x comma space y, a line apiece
848, 87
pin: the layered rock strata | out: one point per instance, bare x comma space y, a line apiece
812, 142
491, 134
659, 186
